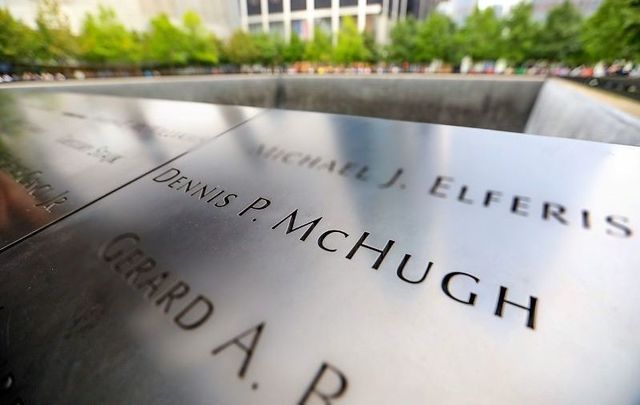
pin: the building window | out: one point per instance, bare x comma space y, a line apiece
255, 28
370, 24
324, 24
323, 3
297, 5
276, 28
253, 7
275, 6
301, 28
348, 3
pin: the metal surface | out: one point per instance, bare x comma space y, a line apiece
262, 316
61, 151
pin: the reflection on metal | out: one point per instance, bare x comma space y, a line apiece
59, 152
312, 258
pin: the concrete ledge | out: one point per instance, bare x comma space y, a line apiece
471, 101
571, 110
256, 91
489, 102
554, 107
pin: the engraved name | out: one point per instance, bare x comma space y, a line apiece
452, 189
101, 153
44, 195
350, 246
126, 256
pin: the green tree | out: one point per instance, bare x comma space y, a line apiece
375, 51
435, 38
632, 28
166, 43
403, 41
294, 51
522, 34
319, 49
201, 45
16, 39
560, 39
481, 35
105, 39
241, 48
351, 47
269, 49
613, 31
54, 41
220, 47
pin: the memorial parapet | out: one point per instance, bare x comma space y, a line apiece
59, 152
306, 258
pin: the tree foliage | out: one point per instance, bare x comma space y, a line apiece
560, 39
55, 42
319, 49
403, 41
201, 45
294, 51
613, 31
105, 39
375, 51
268, 49
166, 43
351, 47
521, 34
435, 39
17, 41
241, 48
481, 35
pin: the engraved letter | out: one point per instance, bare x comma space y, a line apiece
550, 209
107, 252
440, 184
171, 173
256, 331
619, 222
324, 235
445, 287
520, 204
153, 283
531, 309
491, 196
198, 320
53, 201
393, 179
326, 397
144, 266
400, 271
259, 204
382, 252
292, 218
177, 291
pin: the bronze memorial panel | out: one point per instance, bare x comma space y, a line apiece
59, 152
307, 258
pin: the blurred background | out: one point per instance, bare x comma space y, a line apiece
77, 39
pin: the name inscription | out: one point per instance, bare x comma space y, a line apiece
344, 242
189, 310
451, 189
142, 128
42, 193
125, 255
101, 153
